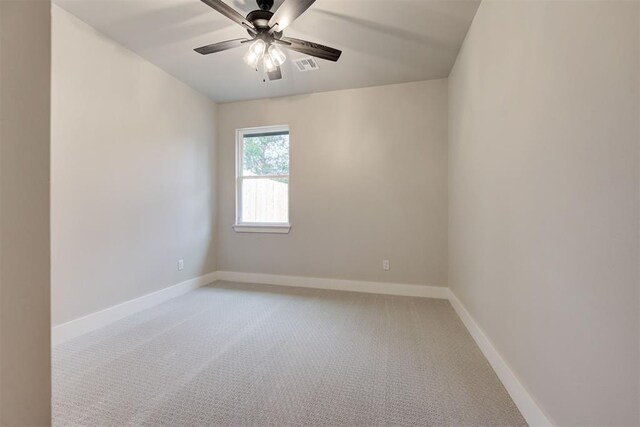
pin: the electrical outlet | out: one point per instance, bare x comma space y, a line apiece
180, 264
385, 264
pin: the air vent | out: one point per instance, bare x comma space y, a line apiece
306, 64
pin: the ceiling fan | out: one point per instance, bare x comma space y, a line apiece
265, 29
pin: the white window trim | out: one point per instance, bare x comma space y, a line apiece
262, 227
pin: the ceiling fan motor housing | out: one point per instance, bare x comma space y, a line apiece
260, 20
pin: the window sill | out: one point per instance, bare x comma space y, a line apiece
261, 228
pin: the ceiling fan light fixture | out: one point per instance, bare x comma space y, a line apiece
258, 47
251, 59
277, 55
268, 63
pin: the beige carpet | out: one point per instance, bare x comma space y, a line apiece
248, 355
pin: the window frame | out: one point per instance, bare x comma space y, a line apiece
259, 227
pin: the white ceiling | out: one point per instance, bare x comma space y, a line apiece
383, 42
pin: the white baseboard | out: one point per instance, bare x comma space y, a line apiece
521, 397
337, 284
90, 322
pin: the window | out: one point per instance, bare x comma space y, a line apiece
262, 180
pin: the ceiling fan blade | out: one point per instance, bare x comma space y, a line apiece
230, 13
287, 13
275, 74
219, 47
311, 48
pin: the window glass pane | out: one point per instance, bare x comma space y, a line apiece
265, 155
265, 200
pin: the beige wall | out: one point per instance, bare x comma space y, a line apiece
25, 61
368, 182
544, 207
132, 174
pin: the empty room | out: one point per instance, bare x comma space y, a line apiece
320, 212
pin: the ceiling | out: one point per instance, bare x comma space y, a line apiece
383, 42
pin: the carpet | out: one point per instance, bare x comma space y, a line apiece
256, 355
